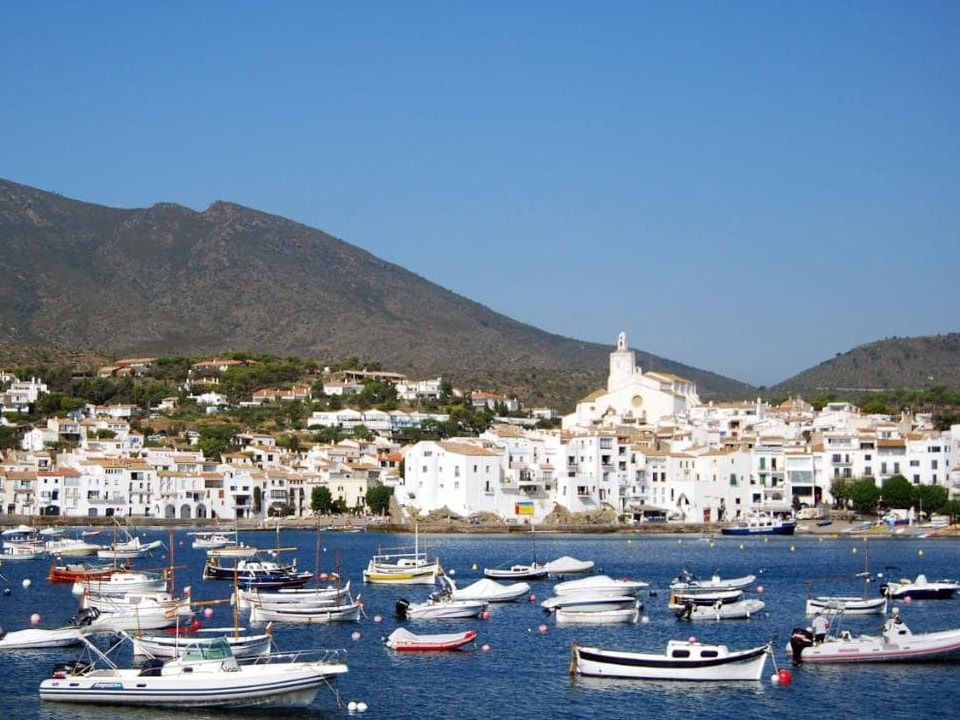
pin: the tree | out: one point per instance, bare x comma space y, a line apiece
864, 495
840, 489
378, 499
321, 501
930, 499
897, 492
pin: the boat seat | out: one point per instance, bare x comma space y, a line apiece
151, 667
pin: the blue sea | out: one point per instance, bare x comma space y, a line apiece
520, 668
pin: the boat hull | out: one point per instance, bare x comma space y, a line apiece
404, 641
294, 687
926, 647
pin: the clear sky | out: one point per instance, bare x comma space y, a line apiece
746, 187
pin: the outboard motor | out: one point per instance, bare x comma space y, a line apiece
400, 609
71, 667
85, 617
686, 612
800, 638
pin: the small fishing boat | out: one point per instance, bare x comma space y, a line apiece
264, 574
851, 605
175, 641
682, 660
131, 548
72, 572
403, 566
519, 571
402, 640
742, 609
213, 539
686, 583
347, 609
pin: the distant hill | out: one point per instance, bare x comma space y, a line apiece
895, 363
168, 280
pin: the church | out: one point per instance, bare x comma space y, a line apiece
633, 397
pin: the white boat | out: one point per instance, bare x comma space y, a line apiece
488, 590
346, 610
896, 643
920, 588
566, 565
439, 606
402, 640
170, 645
213, 539
129, 549
134, 611
401, 569
121, 583
831, 604
687, 583
301, 597
682, 660
587, 601
739, 610
40, 638
13, 551
601, 584
608, 615
206, 675
519, 571
70, 547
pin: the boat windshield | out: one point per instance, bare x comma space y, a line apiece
213, 649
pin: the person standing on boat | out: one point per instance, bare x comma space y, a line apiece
820, 626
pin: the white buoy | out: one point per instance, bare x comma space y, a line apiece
352, 706
645, 619
26, 583
361, 706
775, 679
355, 635
378, 618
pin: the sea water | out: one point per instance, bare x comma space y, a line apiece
520, 665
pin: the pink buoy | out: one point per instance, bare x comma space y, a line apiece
485, 615
485, 647
692, 639
542, 628
378, 618
208, 613
355, 635
532, 598
760, 589
35, 619
324, 576
908, 599
784, 676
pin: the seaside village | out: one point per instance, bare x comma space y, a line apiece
642, 449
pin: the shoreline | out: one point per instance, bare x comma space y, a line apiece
839, 528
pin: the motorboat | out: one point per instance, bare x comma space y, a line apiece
896, 643
402, 640
174, 644
686, 583
587, 601
920, 589
207, 674
601, 584
40, 638
439, 606
743, 609
848, 605
21, 543
682, 660
760, 523
566, 565
488, 590
519, 571
55, 542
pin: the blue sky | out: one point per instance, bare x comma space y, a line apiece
746, 187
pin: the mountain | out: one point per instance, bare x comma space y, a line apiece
895, 363
168, 280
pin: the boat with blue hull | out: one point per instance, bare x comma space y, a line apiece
761, 523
